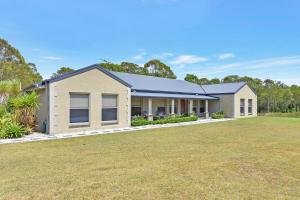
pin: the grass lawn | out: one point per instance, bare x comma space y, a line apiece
292, 114
257, 158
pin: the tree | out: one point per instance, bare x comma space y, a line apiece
203, 81
8, 88
159, 69
61, 71
215, 81
133, 68
191, 78
10, 54
111, 66
231, 79
14, 67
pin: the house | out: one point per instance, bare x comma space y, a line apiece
94, 98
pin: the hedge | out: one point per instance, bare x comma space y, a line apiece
175, 119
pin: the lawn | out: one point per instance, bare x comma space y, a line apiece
257, 158
279, 114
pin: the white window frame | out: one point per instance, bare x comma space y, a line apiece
242, 114
250, 113
72, 124
111, 121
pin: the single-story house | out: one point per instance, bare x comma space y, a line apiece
94, 98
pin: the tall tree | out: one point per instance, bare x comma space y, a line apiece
133, 68
231, 79
13, 66
203, 81
10, 54
159, 69
61, 71
191, 78
215, 81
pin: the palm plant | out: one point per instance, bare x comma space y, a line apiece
24, 108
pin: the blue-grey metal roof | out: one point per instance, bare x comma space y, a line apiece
223, 88
151, 83
170, 95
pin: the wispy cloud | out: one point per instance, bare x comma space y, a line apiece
163, 55
257, 67
140, 55
187, 59
51, 58
263, 63
225, 56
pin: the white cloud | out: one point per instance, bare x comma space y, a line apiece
265, 63
52, 58
162, 55
187, 59
225, 56
278, 68
140, 55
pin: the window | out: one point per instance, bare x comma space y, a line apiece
249, 106
109, 108
161, 111
136, 111
242, 106
79, 108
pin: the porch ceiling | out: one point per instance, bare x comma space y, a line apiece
175, 96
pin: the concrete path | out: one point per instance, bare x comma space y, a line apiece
41, 137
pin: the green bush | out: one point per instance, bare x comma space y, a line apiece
24, 108
217, 115
169, 119
2, 110
11, 130
139, 122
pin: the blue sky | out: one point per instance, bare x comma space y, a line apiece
210, 38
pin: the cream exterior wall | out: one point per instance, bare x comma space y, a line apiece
245, 93
42, 112
213, 106
95, 83
226, 104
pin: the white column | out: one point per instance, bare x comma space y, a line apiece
190, 107
167, 107
173, 106
206, 109
178, 106
198, 107
150, 116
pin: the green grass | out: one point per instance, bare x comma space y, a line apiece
257, 158
292, 114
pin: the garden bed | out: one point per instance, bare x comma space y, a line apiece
170, 119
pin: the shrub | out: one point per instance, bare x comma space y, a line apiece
139, 122
169, 119
217, 115
11, 130
24, 108
2, 110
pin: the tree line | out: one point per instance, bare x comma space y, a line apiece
273, 96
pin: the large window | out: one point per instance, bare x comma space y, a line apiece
250, 106
79, 108
136, 110
110, 108
136, 106
242, 106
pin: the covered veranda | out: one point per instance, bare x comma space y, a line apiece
153, 105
